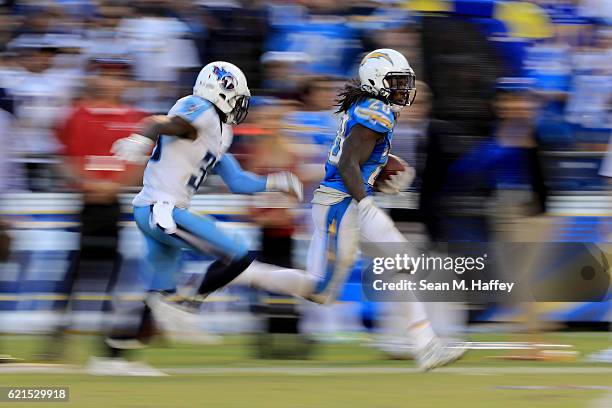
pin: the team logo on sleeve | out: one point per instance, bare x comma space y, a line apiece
226, 79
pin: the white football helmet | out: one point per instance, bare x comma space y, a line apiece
224, 85
386, 73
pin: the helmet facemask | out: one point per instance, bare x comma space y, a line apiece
400, 88
240, 111
241, 108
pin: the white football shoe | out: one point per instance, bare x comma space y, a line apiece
603, 356
121, 367
438, 354
178, 323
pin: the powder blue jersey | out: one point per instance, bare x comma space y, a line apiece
375, 115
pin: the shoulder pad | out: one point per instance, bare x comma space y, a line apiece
374, 114
190, 108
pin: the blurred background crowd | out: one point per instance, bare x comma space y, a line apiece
56, 55
510, 124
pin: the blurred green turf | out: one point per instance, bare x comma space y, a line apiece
394, 390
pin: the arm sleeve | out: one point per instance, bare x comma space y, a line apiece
238, 180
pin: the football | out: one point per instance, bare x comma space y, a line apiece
394, 165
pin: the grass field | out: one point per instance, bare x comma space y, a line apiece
338, 375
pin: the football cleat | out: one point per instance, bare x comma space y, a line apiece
121, 367
603, 356
177, 322
438, 354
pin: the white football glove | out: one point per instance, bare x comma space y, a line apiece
134, 149
398, 182
286, 182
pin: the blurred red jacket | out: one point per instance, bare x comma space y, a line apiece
88, 133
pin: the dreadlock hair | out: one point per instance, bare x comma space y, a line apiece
352, 94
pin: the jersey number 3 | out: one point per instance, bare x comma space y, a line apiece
196, 179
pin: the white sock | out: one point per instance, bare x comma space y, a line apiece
449, 319
416, 323
278, 280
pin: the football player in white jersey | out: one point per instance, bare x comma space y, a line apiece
190, 142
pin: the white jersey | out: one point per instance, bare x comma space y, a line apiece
178, 166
